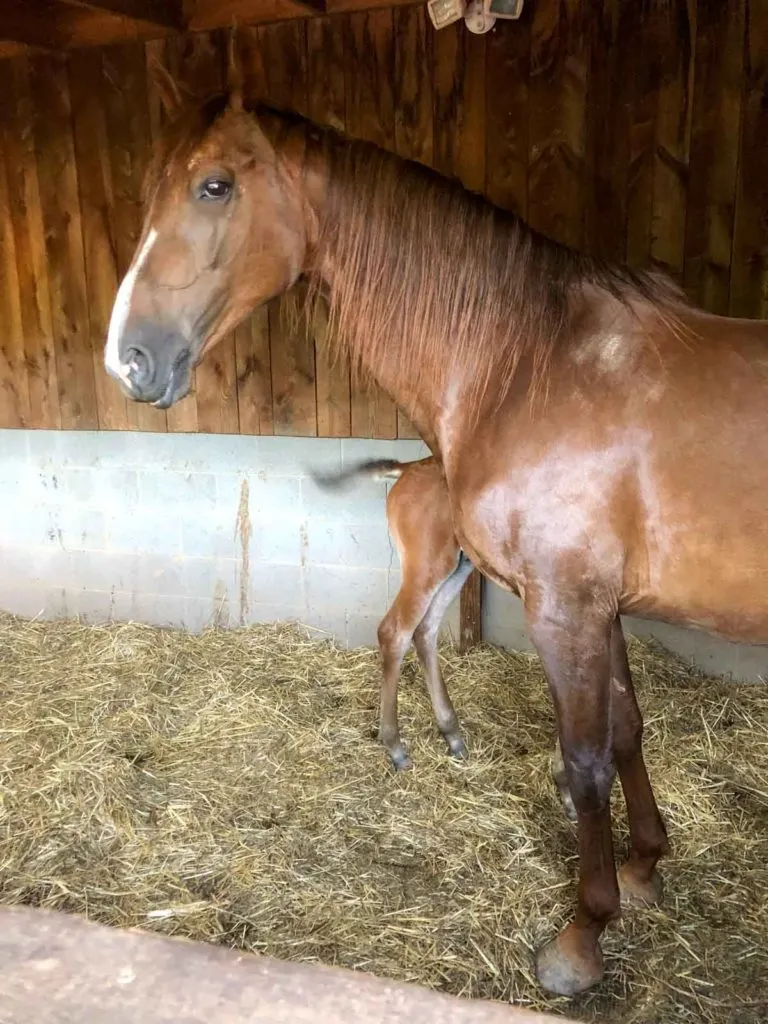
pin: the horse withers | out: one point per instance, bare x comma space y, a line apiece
600, 439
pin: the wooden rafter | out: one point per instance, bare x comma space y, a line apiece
66, 24
166, 13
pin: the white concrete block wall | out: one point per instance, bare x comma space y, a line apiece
150, 527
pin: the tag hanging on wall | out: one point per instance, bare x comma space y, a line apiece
479, 15
445, 12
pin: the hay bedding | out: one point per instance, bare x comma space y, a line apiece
226, 787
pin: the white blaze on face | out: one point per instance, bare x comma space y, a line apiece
122, 308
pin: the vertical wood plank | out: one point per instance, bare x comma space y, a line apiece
471, 613
715, 133
557, 95
673, 138
182, 417
507, 85
124, 88
86, 82
608, 128
57, 176
645, 78
203, 58
326, 105
369, 65
29, 239
414, 135
459, 108
14, 393
749, 273
284, 56
254, 374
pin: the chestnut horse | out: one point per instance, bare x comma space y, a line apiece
601, 440
434, 569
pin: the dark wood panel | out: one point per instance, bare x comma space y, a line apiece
634, 131
369, 64
29, 251
749, 274
59, 200
715, 132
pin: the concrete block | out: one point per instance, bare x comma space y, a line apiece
276, 584
209, 578
93, 606
342, 588
361, 631
158, 609
294, 456
274, 500
201, 613
14, 444
27, 602
97, 487
264, 612
169, 489
75, 528
105, 570
365, 503
326, 624
147, 532
29, 567
284, 543
209, 536
366, 545
394, 582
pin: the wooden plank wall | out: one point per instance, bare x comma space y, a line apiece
639, 131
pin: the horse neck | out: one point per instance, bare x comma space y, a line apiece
355, 300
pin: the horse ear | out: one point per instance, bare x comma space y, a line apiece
234, 72
167, 88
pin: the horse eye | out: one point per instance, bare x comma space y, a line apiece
215, 188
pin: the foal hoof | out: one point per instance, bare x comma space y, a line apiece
400, 760
457, 747
637, 893
566, 971
568, 806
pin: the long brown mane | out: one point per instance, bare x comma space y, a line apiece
417, 257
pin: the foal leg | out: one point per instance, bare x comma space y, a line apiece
395, 634
638, 879
425, 640
561, 781
575, 646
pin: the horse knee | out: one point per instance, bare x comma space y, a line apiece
627, 737
590, 776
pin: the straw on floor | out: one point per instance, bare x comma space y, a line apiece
226, 787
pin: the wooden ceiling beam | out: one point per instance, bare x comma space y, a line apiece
210, 14
165, 13
39, 26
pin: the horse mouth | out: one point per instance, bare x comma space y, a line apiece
179, 382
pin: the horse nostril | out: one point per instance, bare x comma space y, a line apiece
139, 367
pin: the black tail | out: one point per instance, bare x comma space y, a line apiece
376, 469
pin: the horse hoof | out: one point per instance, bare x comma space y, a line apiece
568, 806
457, 747
565, 971
637, 893
401, 760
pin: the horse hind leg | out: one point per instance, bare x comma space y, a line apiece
425, 641
638, 879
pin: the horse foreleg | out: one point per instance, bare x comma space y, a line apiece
575, 648
425, 641
638, 879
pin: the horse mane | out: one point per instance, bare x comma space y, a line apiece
463, 283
